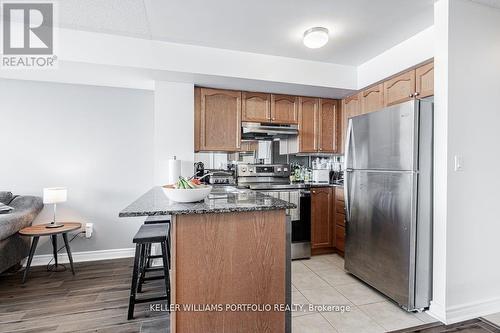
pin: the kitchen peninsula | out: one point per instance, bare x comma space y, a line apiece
230, 248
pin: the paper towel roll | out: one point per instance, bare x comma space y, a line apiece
174, 170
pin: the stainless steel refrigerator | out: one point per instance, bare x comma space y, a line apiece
388, 196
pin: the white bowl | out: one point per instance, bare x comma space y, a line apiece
187, 195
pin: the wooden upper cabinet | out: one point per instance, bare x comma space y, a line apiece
372, 99
424, 77
322, 218
399, 89
284, 109
308, 127
256, 107
327, 124
217, 120
351, 108
352, 105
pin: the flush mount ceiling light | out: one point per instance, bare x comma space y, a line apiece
316, 37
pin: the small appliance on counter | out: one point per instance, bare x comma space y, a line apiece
220, 177
199, 169
336, 177
321, 176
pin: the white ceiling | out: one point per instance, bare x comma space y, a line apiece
360, 29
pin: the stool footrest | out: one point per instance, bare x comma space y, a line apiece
156, 256
151, 278
154, 269
151, 299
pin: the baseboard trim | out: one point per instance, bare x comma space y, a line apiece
43, 259
457, 313
464, 312
437, 311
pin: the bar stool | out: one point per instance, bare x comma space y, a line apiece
159, 219
147, 235
147, 257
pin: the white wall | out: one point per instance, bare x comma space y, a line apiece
174, 128
438, 303
412, 51
96, 141
467, 90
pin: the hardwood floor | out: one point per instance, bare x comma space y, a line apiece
94, 300
470, 326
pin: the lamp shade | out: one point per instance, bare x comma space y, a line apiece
54, 195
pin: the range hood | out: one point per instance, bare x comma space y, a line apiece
262, 131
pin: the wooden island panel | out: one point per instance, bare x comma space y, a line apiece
225, 259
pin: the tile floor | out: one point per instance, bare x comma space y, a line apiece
322, 280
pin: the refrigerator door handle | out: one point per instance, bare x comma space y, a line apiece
347, 194
348, 170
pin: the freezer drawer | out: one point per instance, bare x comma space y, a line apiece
380, 231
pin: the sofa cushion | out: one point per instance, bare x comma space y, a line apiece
4, 209
5, 197
26, 208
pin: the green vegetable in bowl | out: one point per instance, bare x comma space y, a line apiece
184, 183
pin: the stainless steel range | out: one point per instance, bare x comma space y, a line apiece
256, 175
274, 180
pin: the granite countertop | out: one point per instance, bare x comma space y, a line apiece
324, 184
155, 202
293, 186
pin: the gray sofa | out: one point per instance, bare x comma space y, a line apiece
14, 248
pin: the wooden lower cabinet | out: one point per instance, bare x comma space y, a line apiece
322, 220
340, 239
228, 258
327, 220
339, 220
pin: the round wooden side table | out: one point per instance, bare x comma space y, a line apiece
38, 230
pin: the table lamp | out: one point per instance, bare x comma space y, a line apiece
54, 195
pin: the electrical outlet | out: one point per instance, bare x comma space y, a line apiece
459, 163
89, 229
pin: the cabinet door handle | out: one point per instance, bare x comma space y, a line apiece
412, 95
416, 94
